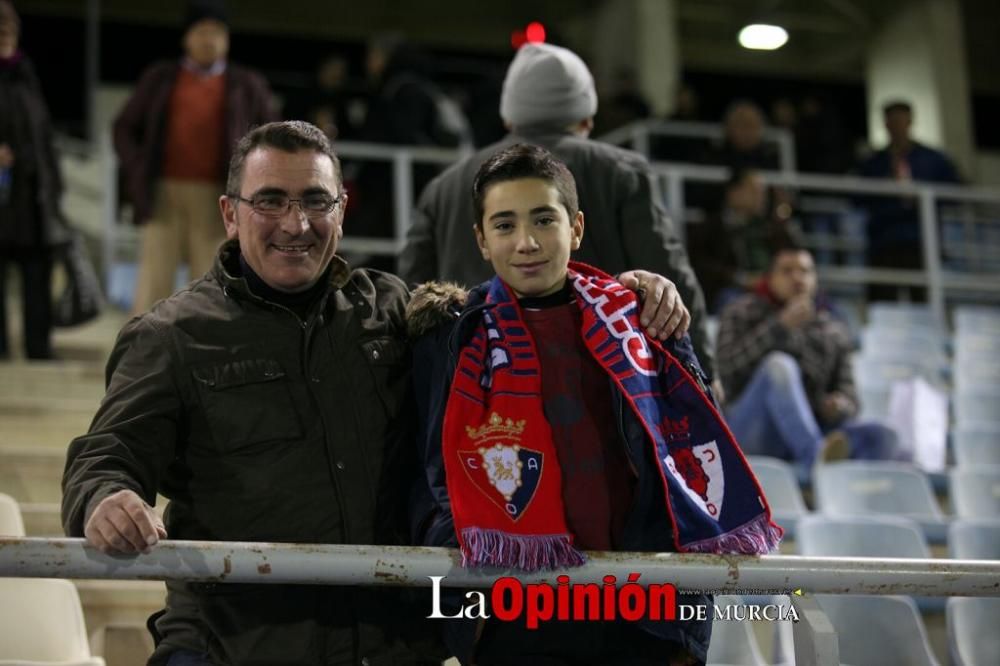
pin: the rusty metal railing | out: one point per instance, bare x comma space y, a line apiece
211, 561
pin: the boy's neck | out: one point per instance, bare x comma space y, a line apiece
561, 297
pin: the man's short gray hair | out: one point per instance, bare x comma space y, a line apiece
290, 136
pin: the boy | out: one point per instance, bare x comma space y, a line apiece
550, 424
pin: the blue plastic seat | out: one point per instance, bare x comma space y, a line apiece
875, 631
781, 487
863, 488
973, 639
733, 643
974, 539
975, 492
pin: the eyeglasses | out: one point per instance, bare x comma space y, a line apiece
276, 204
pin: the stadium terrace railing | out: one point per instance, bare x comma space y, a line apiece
266, 563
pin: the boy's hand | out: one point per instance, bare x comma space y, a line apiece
663, 311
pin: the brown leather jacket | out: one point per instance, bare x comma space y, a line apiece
259, 426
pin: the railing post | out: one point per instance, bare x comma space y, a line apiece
402, 196
814, 636
932, 254
109, 204
675, 202
640, 139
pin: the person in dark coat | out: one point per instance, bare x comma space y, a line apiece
549, 100
173, 139
30, 187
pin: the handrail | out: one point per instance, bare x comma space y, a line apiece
238, 562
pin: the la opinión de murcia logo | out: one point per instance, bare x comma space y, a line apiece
509, 599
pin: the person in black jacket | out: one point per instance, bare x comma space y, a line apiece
30, 188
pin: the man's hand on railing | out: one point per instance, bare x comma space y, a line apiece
663, 312
124, 523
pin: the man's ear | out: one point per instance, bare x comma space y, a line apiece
577, 230
481, 242
228, 208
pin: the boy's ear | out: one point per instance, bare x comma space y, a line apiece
481, 242
577, 230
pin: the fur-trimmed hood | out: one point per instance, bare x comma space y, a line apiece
434, 304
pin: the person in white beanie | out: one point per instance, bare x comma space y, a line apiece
549, 100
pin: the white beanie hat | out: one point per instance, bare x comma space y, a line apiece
547, 85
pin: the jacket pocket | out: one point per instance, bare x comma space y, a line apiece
247, 402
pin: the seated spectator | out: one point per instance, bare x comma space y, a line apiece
731, 249
894, 222
743, 140
785, 362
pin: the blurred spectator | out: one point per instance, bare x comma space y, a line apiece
333, 103
743, 144
174, 138
625, 103
30, 188
670, 148
786, 363
549, 100
731, 249
894, 224
687, 106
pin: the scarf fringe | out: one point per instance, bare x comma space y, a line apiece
758, 537
493, 548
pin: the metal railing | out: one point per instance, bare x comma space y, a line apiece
815, 639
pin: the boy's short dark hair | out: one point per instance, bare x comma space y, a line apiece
788, 240
525, 161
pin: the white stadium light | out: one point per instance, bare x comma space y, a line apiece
763, 37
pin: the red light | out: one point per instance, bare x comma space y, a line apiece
517, 39
535, 32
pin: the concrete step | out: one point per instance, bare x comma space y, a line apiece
32, 474
42, 428
42, 519
119, 602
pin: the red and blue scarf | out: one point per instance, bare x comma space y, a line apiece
502, 470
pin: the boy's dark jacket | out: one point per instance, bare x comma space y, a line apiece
441, 317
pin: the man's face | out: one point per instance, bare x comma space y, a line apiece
206, 41
793, 275
527, 235
289, 252
745, 128
897, 124
748, 196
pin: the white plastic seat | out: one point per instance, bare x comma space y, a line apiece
781, 487
733, 643
11, 523
876, 630
860, 536
41, 623
977, 445
973, 639
862, 488
974, 539
975, 492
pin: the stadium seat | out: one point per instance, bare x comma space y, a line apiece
975, 492
861, 536
973, 639
874, 631
11, 523
900, 314
974, 539
976, 408
733, 643
781, 487
862, 488
977, 444
41, 622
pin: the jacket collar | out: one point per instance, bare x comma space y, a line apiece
227, 271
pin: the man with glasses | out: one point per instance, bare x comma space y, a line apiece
269, 402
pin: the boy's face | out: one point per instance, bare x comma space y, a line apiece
527, 235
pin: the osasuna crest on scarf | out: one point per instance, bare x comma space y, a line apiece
502, 469
699, 469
